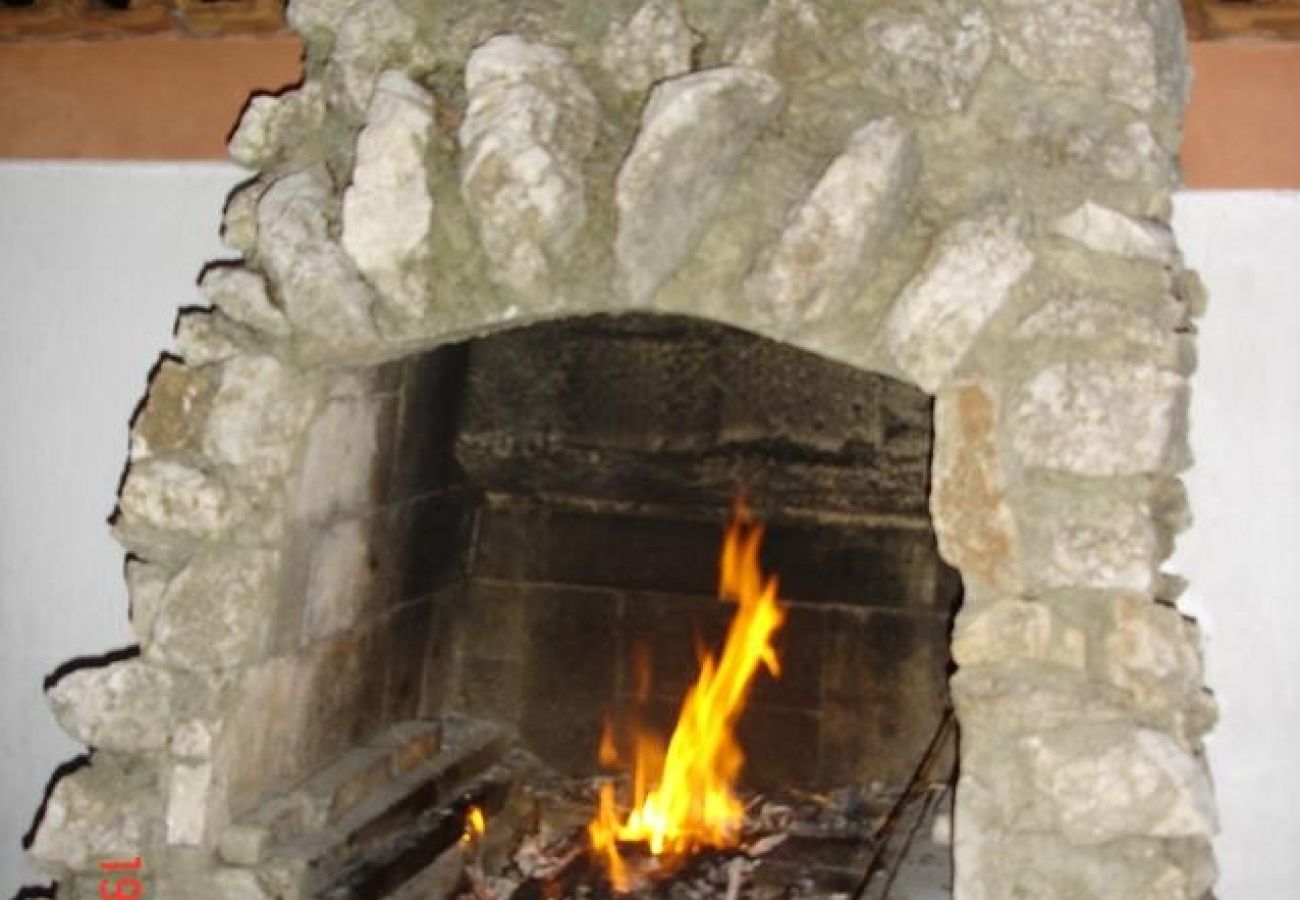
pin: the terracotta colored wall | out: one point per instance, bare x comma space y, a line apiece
1243, 127
172, 98
142, 98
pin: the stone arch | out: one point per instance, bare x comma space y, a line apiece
980, 210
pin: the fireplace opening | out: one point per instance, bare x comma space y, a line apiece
518, 536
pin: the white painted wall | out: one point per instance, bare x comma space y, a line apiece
1243, 555
94, 261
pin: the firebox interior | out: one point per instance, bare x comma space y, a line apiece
574, 481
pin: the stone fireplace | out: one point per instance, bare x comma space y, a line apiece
527, 292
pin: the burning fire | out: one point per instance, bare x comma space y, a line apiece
683, 798
475, 825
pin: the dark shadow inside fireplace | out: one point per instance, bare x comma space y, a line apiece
565, 490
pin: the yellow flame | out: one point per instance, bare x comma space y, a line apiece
683, 797
475, 825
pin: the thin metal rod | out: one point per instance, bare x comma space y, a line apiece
919, 774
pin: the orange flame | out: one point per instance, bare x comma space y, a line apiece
475, 825
684, 798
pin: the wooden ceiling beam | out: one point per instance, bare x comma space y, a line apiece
1209, 20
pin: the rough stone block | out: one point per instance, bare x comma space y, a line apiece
694, 133
388, 209
530, 124
1132, 52
412, 743
336, 471
175, 412
1108, 231
785, 37
1102, 419
653, 45
967, 278
193, 739
972, 519
166, 506
215, 612
202, 337
322, 294
833, 240
145, 585
929, 58
258, 415
110, 809
993, 864
261, 745
123, 706
241, 294
1026, 699
190, 796
403, 646
1099, 784
1013, 632
1153, 653
368, 41
1096, 541
338, 581
275, 127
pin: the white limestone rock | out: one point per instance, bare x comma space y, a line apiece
216, 612
1134, 154
1110, 782
1130, 50
334, 474
651, 46
193, 739
258, 416
1080, 317
786, 36
239, 218
929, 59
1011, 632
1103, 544
834, 239
1108, 231
272, 127
1153, 653
338, 578
967, 278
106, 810
241, 294
695, 131
371, 37
167, 501
317, 19
124, 706
145, 584
189, 792
199, 339
174, 413
322, 294
1101, 419
530, 124
388, 209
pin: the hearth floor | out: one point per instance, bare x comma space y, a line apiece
796, 847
